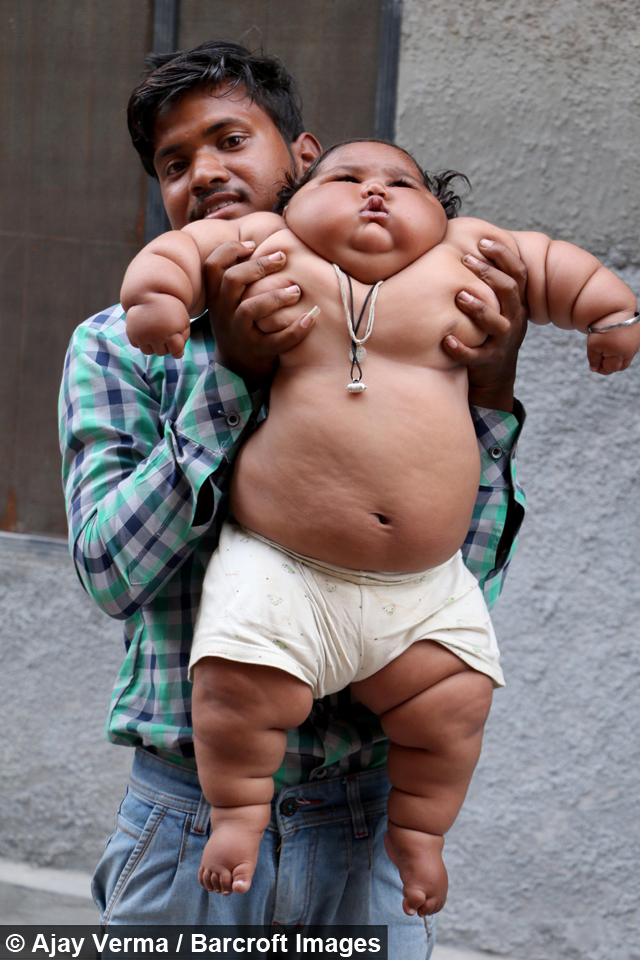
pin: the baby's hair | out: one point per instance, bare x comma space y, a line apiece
439, 184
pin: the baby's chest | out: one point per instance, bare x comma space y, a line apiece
416, 308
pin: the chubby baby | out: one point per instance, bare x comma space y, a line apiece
351, 500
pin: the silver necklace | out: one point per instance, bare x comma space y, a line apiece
357, 352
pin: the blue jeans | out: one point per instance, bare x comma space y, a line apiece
322, 859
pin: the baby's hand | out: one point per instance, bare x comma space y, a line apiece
161, 326
613, 351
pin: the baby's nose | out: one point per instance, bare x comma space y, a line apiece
373, 188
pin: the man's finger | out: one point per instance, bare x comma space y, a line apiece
238, 277
482, 315
459, 352
507, 262
223, 257
259, 310
292, 335
505, 287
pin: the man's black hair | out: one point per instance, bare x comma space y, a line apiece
439, 184
263, 78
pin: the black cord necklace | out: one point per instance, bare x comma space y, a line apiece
357, 352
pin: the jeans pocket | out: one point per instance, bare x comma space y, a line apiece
136, 824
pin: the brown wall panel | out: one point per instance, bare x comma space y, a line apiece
331, 46
71, 197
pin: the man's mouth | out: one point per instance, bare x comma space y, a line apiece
215, 203
374, 209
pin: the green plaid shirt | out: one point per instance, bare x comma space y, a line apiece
140, 436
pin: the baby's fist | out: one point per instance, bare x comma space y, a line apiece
612, 351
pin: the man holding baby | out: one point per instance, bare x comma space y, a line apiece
149, 444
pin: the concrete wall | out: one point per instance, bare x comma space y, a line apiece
536, 100
61, 780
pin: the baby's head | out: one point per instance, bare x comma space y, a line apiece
367, 206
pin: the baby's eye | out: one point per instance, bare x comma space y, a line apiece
348, 178
234, 140
401, 183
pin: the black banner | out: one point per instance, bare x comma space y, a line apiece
72, 942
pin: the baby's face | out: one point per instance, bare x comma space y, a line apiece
367, 210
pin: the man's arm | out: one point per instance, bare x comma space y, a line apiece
492, 365
141, 482
497, 416
500, 504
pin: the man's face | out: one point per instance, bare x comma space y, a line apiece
218, 156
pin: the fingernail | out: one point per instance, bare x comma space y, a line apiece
279, 255
465, 297
451, 341
470, 259
485, 243
294, 289
249, 244
308, 319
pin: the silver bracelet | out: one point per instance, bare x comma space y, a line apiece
614, 326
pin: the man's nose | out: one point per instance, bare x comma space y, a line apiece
374, 188
207, 169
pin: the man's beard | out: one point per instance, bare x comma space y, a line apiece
241, 197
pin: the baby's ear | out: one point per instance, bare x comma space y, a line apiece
284, 213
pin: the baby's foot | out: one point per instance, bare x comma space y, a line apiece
230, 856
418, 857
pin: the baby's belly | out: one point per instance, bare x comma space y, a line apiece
382, 480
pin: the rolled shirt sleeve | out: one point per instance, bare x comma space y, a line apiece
500, 505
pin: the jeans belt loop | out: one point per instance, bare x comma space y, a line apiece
355, 806
201, 819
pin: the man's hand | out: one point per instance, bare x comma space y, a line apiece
241, 344
492, 365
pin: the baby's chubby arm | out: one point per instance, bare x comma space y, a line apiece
571, 288
566, 286
164, 284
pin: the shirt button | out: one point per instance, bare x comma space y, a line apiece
233, 420
496, 452
288, 807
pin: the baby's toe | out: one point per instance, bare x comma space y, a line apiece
206, 879
226, 880
431, 905
242, 877
414, 899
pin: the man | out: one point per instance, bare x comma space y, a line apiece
149, 444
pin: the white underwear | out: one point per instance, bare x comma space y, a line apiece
330, 625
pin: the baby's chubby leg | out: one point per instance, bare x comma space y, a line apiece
433, 709
241, 713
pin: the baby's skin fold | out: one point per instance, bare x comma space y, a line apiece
382, 480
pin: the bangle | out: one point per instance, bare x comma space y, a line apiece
614, 326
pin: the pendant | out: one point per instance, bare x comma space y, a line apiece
357, 355
357, 386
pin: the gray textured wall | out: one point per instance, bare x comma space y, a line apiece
60, 780
536, 100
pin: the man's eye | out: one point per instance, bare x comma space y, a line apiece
175, 167
234, 140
